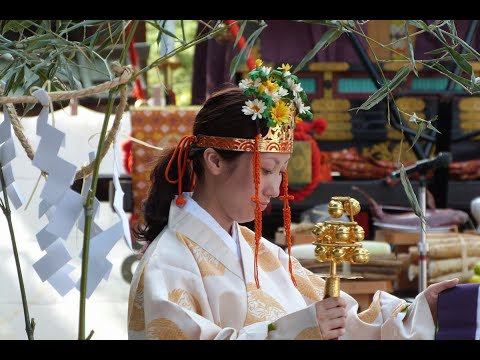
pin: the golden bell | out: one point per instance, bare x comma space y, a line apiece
359, 233
335, 208
352, 207
338, 254
342, 233
360, 256
321, 253
319, 228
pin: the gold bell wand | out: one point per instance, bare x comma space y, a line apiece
339, 241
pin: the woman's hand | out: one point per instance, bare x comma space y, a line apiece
332, 317
431, 294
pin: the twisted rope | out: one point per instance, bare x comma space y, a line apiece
125, 73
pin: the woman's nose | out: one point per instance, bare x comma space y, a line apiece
272, 189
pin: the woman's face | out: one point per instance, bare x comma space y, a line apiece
237, 188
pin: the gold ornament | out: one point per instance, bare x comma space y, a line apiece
360, 256
335, 208
339, 241
352, 207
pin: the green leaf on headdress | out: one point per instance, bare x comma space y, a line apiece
282, 83
254, 74
304, 97
271, 123
266, 114
307, 115
276, 73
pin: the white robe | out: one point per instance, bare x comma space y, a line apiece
190, 285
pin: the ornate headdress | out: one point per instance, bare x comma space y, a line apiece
276, 98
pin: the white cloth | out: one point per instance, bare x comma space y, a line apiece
196, 210
189, 285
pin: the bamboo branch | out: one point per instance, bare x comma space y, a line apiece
29, 323
93, 189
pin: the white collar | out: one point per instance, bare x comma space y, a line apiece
193, 208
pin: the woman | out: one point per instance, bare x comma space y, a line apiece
203, 276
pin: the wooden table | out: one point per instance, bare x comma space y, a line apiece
363, 290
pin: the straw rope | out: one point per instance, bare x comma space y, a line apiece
124, 74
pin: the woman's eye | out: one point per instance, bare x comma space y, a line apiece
267, 172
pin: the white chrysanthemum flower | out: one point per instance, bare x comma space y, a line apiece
302, 109
266, 69
280, 93
286, 74
254, 107
246, 83
275, 96
295, 87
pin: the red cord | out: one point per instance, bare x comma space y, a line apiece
287, 221
258, 210
241, 43
181, 153
137, 85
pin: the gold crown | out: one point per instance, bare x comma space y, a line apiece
278, 99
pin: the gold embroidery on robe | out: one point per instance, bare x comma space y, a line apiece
266, 259
372, 312
311, 333
398, 309
261, 306
185, 299
136, 316
164, 329
304, 284
208, 265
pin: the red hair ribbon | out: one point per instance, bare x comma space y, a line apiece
181, 153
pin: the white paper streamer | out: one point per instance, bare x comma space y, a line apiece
7, 154
64, 208
118, 200
55, 258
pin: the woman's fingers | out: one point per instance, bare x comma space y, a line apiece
332, 313
333, 334
331, 316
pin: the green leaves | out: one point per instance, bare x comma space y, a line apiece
45, 50
421, 128
386, 89
419, 24
412, 199
410, 50
326, 39
466, 84
242, 56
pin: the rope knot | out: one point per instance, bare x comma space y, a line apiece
180, 201
181, 155
124, 73
288, 197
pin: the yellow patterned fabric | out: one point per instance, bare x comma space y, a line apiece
190, 285
161, 127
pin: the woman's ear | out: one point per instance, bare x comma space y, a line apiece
213, 161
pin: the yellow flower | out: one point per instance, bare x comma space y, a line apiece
280, 113
258, 62
269, 87
298, 119
286, 67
